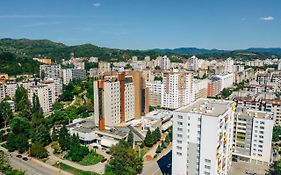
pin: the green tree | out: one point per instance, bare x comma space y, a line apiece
275, 168
38, 151
41, 135
130, 139
158, 78
74, 140
276, 133
148, 140
157, 68
17, 142
124, 161
20, 125
21, 100
6, 113
157, 134
57, 106
128, 66
64, 138
56, 147
77, 153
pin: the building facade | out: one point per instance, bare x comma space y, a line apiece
177, 89
253, 135
203, 138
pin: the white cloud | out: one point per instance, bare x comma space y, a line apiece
97, 4
267, 18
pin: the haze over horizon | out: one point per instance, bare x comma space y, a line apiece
128, 24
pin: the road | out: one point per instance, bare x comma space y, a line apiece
32, 166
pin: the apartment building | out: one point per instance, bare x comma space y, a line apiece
155, 92
79, 74
163, 62
214, 86
253, 135
2, 92
265, 103
50, 71
66, 76
141, 93
46, 95
57, 83
200, 88
177, 89
114, 100
229, 65
227, 80
203, 138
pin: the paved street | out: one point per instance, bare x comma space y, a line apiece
33, 166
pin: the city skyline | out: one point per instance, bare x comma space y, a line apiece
144, 24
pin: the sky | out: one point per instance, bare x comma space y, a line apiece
145, 24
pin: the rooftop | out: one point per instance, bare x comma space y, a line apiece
210, 107
254, 113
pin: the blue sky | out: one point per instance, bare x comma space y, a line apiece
146, 24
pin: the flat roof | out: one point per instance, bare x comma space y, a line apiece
210, 107
254, 113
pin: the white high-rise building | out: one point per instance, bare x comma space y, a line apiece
155, 92
194, 63
253, 135
177, 89
163, 62
46, 95
203, 138
66, 76
279, 65
229, 65
50, 71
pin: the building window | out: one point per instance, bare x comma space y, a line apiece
179, 123
207, 167
207, 161
180, 117
179, 141
179, 154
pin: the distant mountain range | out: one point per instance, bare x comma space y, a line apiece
197, 51
57, 51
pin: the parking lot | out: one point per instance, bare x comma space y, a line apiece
243, 168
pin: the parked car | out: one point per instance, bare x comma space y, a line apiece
19, 156
103, 160
25, 158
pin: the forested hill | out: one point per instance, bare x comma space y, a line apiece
15, 64
58, 51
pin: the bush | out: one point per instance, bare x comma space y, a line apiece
38, 151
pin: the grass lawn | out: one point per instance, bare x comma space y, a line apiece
73, 170
91, 159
